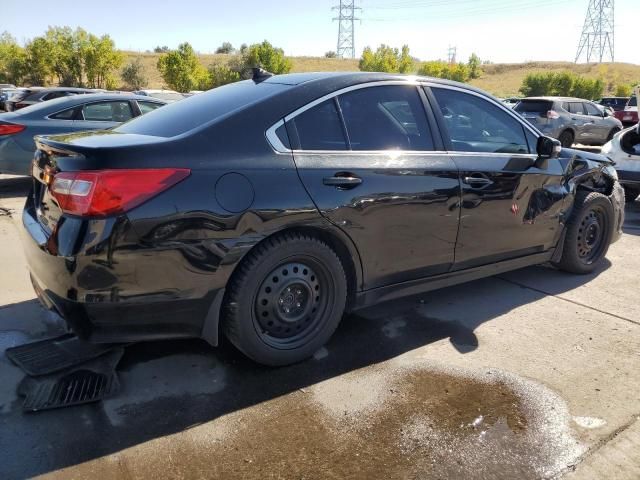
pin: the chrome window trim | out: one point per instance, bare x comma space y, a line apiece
279, 147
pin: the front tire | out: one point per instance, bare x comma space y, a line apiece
630, 194
566, 139
589, 233
285, 300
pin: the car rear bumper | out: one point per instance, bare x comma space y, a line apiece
91, 288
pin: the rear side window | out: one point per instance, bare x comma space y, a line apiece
534, 106
576, 108
146, 107
320, 128
107, 112
52, 95
386, 117
180, 117
477, 125
65, 114
633, 102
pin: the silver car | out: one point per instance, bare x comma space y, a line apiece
570, 120
64, 115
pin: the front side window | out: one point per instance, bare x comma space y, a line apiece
320, 128
592, 110
107, 112
476, 125
386, 118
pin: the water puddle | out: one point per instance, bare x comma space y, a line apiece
381, 422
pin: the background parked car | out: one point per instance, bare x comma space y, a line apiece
624, 149
570, 120
15, 97
629, 116
29, 97
5, 93
70, 114
616, 103
166, 95
511, 102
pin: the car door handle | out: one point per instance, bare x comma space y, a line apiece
343, 182
477, 182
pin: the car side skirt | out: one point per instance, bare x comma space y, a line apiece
405, 289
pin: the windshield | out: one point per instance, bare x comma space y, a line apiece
180, 117
168, 96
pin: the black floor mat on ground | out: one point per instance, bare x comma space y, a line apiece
55, 354
91, 382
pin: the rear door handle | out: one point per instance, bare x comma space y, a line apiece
477, 182
343, 182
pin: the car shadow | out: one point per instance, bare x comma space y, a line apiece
171, 386
14, 186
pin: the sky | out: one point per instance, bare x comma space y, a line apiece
496, 30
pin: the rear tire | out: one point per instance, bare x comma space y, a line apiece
285, 300
630, 194
612, 134
566, 139
589, 233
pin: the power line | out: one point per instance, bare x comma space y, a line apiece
346, 28
597, 40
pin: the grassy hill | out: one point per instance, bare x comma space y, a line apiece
500, 79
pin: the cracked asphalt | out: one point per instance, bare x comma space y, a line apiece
532, 374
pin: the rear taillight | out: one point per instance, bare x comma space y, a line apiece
552, 115
11, 129
18, 106
110, 192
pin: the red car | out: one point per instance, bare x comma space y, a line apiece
629, 116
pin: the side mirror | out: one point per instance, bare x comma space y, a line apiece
548, 147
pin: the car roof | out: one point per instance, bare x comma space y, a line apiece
59, 104
558, 99
157, 91
66, 89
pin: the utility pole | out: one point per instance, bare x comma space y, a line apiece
597, 41
452, 54
346, 28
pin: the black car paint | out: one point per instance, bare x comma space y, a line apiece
160, 271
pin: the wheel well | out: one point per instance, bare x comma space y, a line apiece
570, 130
350, 263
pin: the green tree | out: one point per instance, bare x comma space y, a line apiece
624, 91
536, 84
436, 69
225, 48
12, 60
134, 76
181, 69
38, 61
474, 65
67, 62
386, 59
562, 84
268, 57
330, 54
101, 60
163, 49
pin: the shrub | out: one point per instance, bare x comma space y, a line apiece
386, 59
225, 48
133, 75
266, 56
181, 69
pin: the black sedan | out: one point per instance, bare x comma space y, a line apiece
267, 208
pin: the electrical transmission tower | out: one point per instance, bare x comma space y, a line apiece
452, 54
597, 39
346, 28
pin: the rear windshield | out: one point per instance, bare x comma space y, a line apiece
633, 102
534, 106
168, 96
180, 117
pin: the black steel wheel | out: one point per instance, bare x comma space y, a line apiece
291, 301
285, 300
589, 233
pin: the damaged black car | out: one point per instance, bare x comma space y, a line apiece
264, 210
